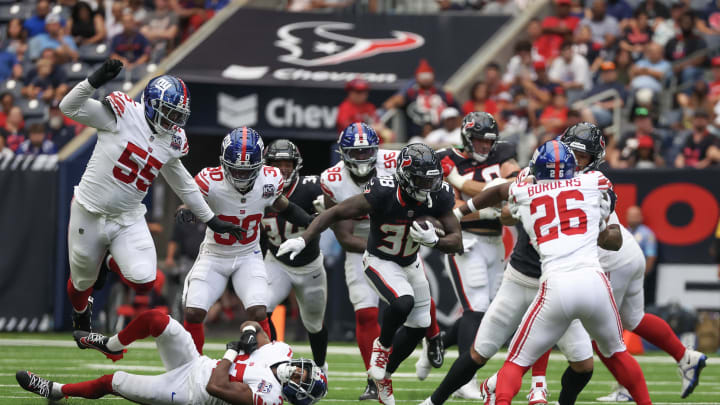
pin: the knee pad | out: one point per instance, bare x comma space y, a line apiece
403, 305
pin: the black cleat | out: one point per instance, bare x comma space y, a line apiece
83, 321
98, 342
436, 350
37, 385
371, 392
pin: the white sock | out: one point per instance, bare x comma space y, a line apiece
538, 381
57, 389
114, 344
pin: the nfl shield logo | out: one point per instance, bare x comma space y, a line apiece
268, 190
411, 213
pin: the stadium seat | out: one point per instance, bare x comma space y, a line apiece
116, 85
18, 10
76, 71
93, 53
141, 71
7, 1
11, 86
32, 109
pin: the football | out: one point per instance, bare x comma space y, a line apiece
439, 230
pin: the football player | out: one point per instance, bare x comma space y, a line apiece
475, 275
252, 371
392, 265
239, 190
136, 141
306, 273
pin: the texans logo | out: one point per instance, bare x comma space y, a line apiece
331, 48
602, 141
469, 125
407, 161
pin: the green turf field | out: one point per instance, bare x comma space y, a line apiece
56, 357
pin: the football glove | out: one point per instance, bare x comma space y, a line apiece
217, 225
184, 216
605, 206
248, 340
319, 204
426, 237
106, 72
293, 246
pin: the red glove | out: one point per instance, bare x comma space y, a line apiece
447, 165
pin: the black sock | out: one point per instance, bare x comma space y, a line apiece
318, 345
469, 324
450, 337
406, 340
572, 383
460, 373
273, 332
394, 316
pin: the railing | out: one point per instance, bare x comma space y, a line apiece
617, 109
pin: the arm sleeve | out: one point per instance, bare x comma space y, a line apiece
78, 106
185, 187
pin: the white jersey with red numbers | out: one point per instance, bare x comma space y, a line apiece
562, 218
253, 370
126, 161
246, 210
337, 184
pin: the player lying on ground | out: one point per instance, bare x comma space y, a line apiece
392, 265
263, 373
136, 141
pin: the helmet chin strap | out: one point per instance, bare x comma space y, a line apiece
480, 157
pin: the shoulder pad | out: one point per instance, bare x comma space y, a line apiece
207, 176
119, 102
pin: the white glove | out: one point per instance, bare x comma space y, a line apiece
456, 179
426, 237
603, 224
489, 213
293, 246
514, 209
458, 214
605, 206
319, 204
468, 244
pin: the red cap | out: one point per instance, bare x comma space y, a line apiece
715, 61
357, 85
559, 90
539, 65
424, 67
607, 65
568, 2
645, 141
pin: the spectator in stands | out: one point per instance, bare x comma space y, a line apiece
54, 38
86, 26
605, 28
422, 99
709, 24
623, 64
13, 131
130, 47
7, 101
571, 71
651, 71
714, 89
37, 142
138, 11
696, 99
161, 28
449, 131
5, 152
681, 51
113, 23
700, 147
643, 235
637, 34
479, 100
356, 107
601, 112
554, 117
520, 64
47, 80
664, 30
60, 132
192, 15
9, 66
556, 29
539, 91
654, 9
619, 9
493, 79
36, 23
15, 39
626, 154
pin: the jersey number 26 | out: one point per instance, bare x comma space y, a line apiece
562, 211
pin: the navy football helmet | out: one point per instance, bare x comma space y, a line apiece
283, 149
478, 125
303, 383
553, 160
418, 171
358, 145
241, 157
588, 138
166, 100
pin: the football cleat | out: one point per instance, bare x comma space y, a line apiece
619, 394
371, 391
83, 320
427, 401
469, 391
98, 342
37, 385
487, 389
537, 396
422, 366
689, 368
378, 361
385, 391
436, 350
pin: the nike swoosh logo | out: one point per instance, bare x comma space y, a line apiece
256, 251
316, 276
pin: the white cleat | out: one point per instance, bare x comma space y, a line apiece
469, 391
537, 396
427, 401
324, 368
689, 368
422, 367
487, 389
619, 394
385, 391
378, 361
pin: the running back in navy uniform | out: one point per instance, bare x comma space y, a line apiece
392, 215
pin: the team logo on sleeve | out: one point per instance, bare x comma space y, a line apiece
176, 142
264, 387
268, 190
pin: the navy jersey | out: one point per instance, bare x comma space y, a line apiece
482, 172
525, 258
392, 215
277, 230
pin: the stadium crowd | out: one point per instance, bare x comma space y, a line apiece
47, 47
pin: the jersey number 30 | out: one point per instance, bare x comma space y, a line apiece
565, 215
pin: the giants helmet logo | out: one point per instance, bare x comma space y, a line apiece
333, 48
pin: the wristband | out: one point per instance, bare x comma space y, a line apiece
471, 206
230, 355
456, 179
458, 213
250, 328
